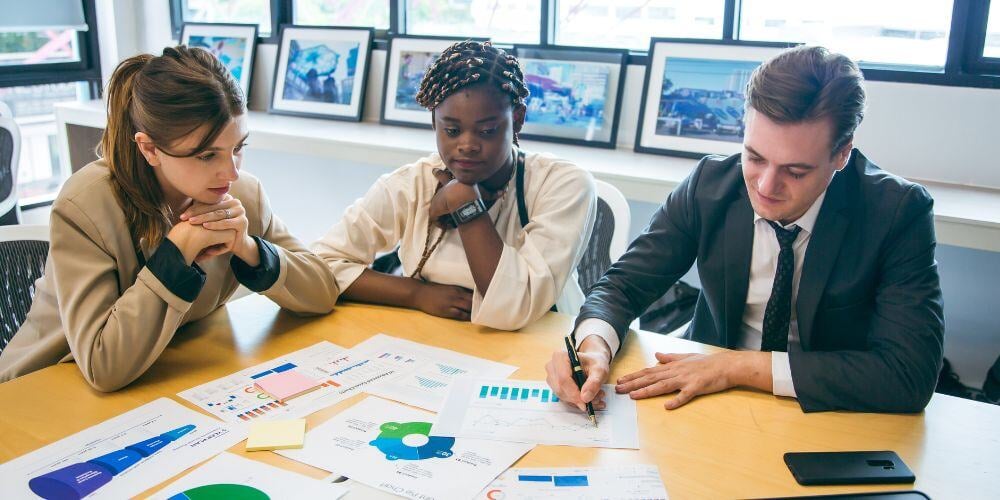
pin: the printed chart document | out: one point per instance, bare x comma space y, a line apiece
528, 412
389, 446
341, 374
424, 373
120, 457
622, 482
232, 476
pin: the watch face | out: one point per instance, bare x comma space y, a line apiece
468, 211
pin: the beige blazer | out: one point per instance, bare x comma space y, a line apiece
95, 304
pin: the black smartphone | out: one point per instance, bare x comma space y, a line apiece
877, 495
848, 467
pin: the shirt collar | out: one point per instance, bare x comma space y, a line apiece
808, 220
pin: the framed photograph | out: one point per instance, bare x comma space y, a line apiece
575, 94
408, 58
233, 44
694, 94
321, 71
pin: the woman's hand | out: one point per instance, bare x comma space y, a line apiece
452, 194
198, 244
227, 215
445, 301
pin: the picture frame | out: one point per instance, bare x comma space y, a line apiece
576, 94
693, 95
408, 57
322, 71
235, 45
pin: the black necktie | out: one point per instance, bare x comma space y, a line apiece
779, 307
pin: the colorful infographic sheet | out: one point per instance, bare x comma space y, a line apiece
528, 412
424, 374
342, 375
622, 482
389, 446
120, 457
232, 476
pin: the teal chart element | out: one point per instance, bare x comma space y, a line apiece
390, 442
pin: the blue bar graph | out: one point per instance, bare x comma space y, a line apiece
510, 393
278, 369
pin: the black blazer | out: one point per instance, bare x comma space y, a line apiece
870, 311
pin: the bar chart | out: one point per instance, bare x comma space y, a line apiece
515, 393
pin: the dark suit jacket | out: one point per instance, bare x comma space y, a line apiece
870, 311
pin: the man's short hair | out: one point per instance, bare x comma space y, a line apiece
809, 83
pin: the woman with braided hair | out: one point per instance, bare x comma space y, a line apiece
486, 232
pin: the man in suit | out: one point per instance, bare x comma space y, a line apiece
817, 266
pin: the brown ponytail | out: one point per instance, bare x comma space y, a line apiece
166, 97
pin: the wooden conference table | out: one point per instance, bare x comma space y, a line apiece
726, 445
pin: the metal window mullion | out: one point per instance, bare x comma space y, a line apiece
731, 19
547, 35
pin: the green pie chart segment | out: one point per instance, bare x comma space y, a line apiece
390, 442
221, 492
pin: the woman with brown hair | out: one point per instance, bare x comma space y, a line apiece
161, 230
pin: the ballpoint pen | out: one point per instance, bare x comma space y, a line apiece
578, 376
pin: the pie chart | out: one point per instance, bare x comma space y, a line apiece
221, 492
411, 441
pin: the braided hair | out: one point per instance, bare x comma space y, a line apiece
471, 63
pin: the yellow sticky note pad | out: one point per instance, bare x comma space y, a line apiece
276, 435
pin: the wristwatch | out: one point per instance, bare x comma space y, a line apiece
468, 211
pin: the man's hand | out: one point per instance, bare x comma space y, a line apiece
696, 374
595, 359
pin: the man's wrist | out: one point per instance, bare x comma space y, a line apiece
748, 368
596, 344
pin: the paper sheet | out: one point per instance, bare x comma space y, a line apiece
424, 374
528, 412
235, 399
622, 482
232, 476
386, 445
120, 457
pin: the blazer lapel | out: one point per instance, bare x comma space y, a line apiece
822, 252
739, 247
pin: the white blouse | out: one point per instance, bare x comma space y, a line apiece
537, 267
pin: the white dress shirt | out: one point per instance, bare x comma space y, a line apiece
763, 265
537, 266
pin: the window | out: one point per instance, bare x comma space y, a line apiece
880, 33
631, 23
507, 21
41, 65
39, 47
992, 46
39, 173
373, 13
229, 11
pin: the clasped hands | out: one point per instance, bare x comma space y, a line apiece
205, 231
